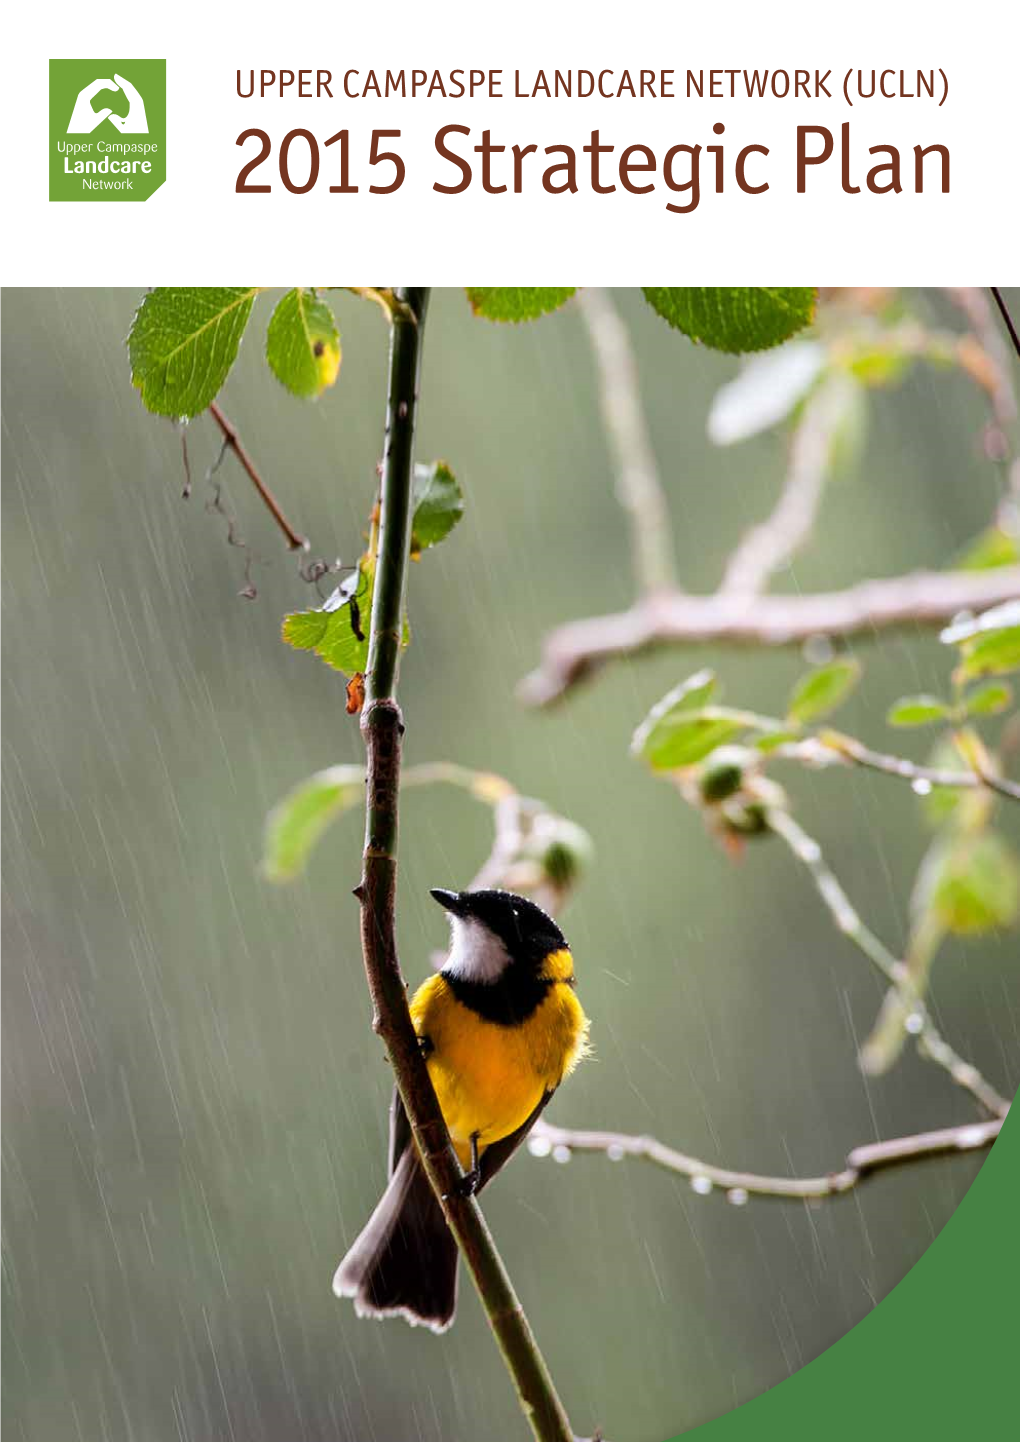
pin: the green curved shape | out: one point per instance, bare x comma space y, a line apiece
937, 1358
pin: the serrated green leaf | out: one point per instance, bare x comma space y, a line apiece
993, 547
988, 700
516, 303
916, 711
822, 690
765, 392
735, 319
182, 343
974, 884
303, 343
296, 823
331, 631
437, 503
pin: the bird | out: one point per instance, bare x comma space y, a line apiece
500, 1027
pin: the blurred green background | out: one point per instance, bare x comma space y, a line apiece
194, 1104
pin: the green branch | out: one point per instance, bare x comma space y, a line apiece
382, 727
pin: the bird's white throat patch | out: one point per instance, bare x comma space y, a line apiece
476, 953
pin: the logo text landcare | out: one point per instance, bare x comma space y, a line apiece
92, 104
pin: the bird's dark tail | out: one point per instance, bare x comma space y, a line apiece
404, 1263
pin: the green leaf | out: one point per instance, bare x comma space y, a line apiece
765, 392
822, 690
303, 343
988, 700
297, 822
437, 503
332, 630
517, 303
975, 885
884, 363
990, 644
689, 695
771, 739
916, 711
182, 343
681, 729
735, 319
991, 655
993, 547
693, 738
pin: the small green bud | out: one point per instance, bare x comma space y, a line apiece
568, 850
747, 813
746, 818
559, 849
724, 772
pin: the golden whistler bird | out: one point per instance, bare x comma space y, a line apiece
500, 1027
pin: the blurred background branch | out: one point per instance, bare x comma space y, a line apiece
820, 383
574, 651
638, 486
770, 546
913, 1016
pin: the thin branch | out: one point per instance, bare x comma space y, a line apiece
768, 547
186, 459
231, 438
1007, 318
999, 784
925, 598
833, 747
917, 1019
638, 486
993, 376
382, 727
863, 1162
986, 358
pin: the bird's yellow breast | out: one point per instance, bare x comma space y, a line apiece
489, 1078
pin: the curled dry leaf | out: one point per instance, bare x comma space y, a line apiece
355, 693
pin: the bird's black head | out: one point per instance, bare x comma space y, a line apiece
492, 930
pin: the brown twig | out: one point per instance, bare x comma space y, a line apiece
231, 438
924, 598
1007, 318
863, 1162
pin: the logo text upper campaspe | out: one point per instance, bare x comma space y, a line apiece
107, 136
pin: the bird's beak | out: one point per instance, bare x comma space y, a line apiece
450, 900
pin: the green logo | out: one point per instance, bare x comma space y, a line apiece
107, 129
